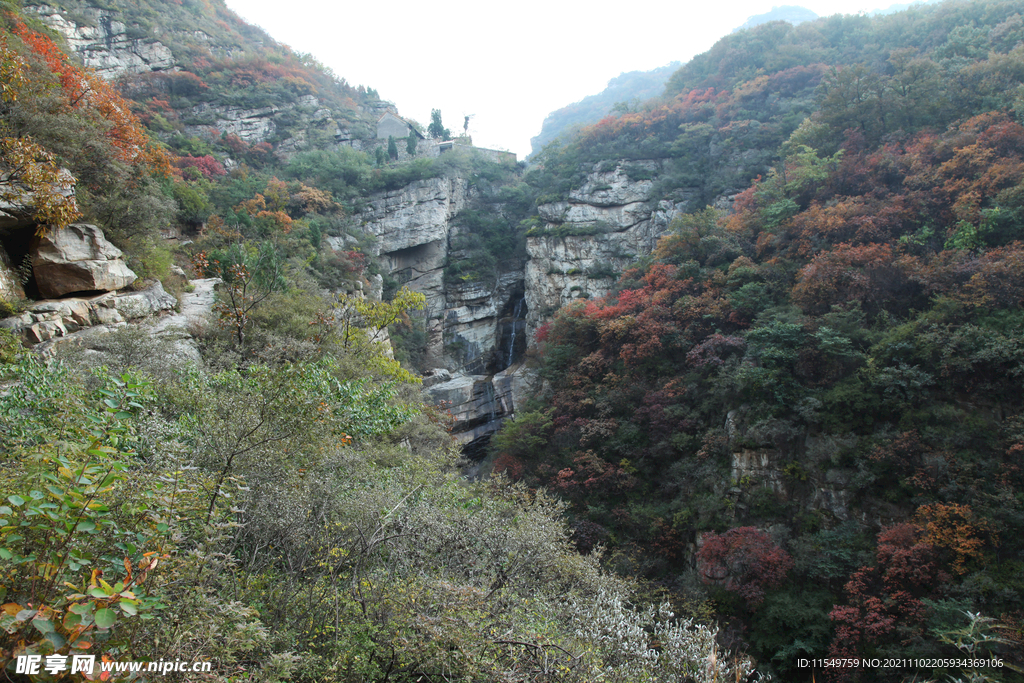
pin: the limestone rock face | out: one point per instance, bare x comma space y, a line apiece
419, 213
475, 323
148, 302
51, 320
104, 43
605, 224
251, 125
479, 403
616, 188
417, 233
77, 259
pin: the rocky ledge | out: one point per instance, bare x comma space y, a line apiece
77, 258
50, 319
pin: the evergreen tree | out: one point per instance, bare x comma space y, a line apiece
392, 148
410, 144
436, 128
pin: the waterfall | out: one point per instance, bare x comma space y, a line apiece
489, 391
512, 340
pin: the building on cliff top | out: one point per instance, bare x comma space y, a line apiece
395, 126
392, 125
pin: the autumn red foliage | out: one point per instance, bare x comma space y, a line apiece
884, 601
591, 475
744, 561
85, 91
206, 164
509, 465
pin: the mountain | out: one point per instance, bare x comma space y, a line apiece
630, 89
626, 88
746, 353
791, 14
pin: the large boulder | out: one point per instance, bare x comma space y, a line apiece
77, 258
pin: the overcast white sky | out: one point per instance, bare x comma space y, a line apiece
507, 68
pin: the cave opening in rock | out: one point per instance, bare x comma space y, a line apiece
16, 243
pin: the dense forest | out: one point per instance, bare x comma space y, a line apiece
793, 431
801, 413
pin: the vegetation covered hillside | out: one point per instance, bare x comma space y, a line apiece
626, 88
726, 113
802, 414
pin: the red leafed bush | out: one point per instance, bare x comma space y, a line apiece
510, 465
592, 476
884, 602
206, 164
871, 273
744, 561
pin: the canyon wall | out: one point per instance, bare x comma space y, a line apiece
478, 328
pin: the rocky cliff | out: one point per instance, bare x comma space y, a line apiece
106, 44
478, 327
136, 56
587, 240
475, 328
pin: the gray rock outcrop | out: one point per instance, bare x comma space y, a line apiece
251, 125
475, 324
586, 241
104, 43
416, 237
48, 320
195, 309
77, 258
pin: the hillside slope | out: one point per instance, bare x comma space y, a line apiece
808, 387
633, 87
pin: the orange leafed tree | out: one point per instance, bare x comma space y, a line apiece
29, 175
84, 90
956, 528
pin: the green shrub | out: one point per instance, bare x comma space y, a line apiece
10, 346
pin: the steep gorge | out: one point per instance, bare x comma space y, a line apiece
479, 327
